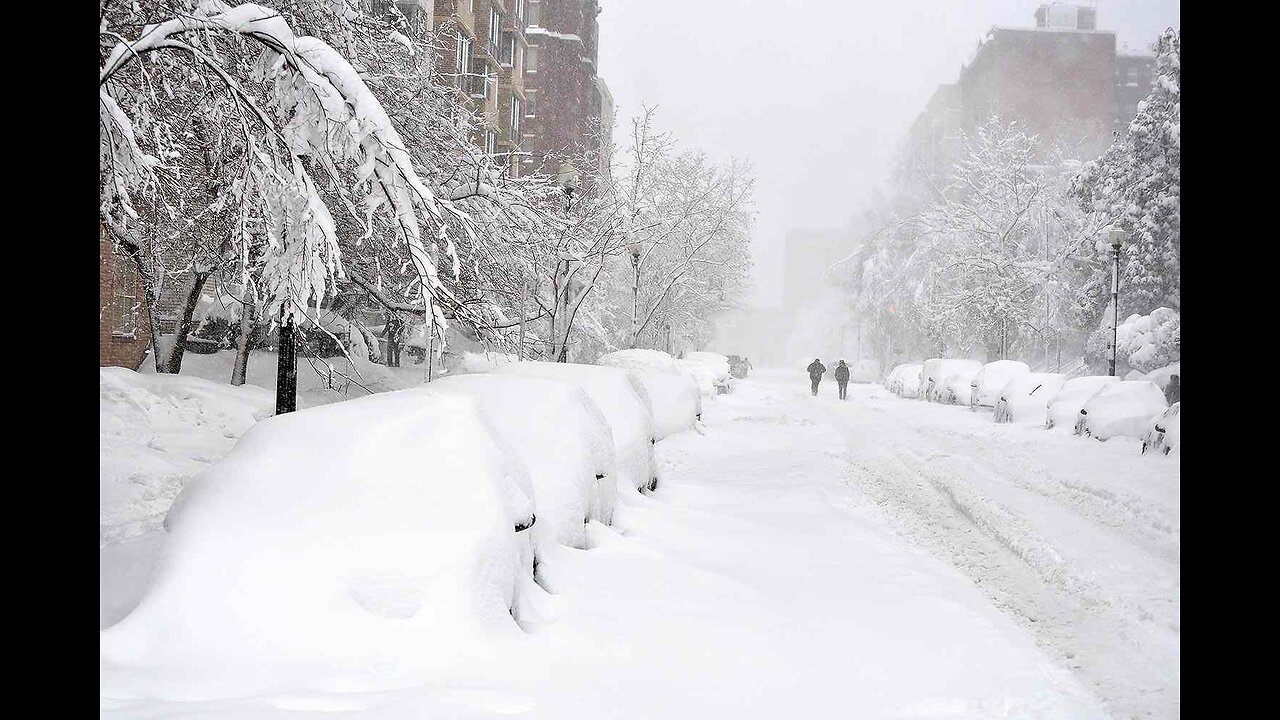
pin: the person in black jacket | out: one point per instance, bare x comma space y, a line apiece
842, 379
816, 368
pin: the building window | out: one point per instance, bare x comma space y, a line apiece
519, 12
529, 103
462, 61
495, 31
478, 80
531, 59
508, 48
490, 142
514, 124
535, 13
124, 297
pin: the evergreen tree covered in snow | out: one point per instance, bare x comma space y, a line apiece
1137, 185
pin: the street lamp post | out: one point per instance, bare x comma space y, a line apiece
1117, 239
635, 249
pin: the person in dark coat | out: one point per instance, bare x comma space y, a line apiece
842, 379
816, 368
394, 331
1173, 391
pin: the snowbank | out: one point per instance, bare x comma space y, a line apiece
1064, 408
638, 359
1024, 399
1164, 434
1124, 408
993, 378
373, 533
936, 371
564, 441
622, 399
1160, 376
155, 433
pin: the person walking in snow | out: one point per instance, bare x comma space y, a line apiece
816, 368
1173, 391
842, 379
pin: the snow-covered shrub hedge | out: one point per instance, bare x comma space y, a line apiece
992, 378
625, 404
1024, 398
1065, 405
1122, 408
375, 532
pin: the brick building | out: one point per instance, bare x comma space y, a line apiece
123, 327
1062, 79
563, 113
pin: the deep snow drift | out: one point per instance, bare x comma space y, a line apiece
758, 582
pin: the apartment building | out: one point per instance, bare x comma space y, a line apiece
483, 55
564, 100
1062, 79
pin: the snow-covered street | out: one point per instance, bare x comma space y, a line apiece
882, 557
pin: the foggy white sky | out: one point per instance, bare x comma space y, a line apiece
816, 93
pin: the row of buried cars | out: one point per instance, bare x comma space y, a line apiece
1097, 406
358, 529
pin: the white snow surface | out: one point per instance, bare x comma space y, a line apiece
992, 378
638, 359
563, 440
622, 399
357, 546
770, 577
1125, 408
1064, 407
1025, 398
1160, 376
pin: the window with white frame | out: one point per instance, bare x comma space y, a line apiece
514, 124
535, 13
519, 12
490, 142
124, 297
495, 30
462, 61
531, 60
508, 48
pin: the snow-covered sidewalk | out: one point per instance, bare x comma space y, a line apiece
760, 581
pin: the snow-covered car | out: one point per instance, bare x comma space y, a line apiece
317, 538
1165, 433
992, 378
1024, 398
721, 377
957, 388
936, 371
621, 396
1064, 408
904, 380
1160, 376
676, 400
738, 366
1121, 409
563, 439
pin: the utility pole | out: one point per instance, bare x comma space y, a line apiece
1117, 238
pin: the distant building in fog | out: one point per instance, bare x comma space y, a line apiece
809, 254
1062, 79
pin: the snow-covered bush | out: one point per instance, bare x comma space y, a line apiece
564, 441
625, 404
1123, 408
1165, 433
1064, 408
936, 371
1024, 398
992, 378
1148, 342
376, 532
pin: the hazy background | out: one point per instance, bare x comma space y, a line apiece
816, 93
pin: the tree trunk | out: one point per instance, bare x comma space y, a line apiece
173, 363
240, 371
